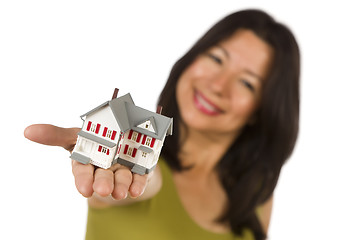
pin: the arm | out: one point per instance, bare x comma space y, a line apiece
264, 214
103, 187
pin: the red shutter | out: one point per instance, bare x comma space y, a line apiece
105, 131
113, 135
134, 152
119, 149
138, 137
107, 152
126, 148
99, 148
97, 128
130, 134
152, 142
88, 126
144, 139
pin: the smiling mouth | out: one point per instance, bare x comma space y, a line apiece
205, 106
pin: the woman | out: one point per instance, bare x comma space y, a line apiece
234, 98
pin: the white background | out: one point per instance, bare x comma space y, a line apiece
58, 59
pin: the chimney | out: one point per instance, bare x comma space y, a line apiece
115, 93
159, 109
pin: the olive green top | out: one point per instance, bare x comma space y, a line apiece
161, 217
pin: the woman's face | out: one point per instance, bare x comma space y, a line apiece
221, 90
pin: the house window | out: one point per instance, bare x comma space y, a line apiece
134, 136
103, 150
130, 151
93, 127
144, 154
109, 133
150, 142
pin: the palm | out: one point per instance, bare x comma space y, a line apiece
116, 181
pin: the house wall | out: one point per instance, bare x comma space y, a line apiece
103, 156
101, 123
159, 145
132, 144
100, 155
107, 122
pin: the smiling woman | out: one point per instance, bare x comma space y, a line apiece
221, 90
234, 99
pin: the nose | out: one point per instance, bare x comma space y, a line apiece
220, 84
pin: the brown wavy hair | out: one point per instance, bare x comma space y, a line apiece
250, 169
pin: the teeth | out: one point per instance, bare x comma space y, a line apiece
205, 104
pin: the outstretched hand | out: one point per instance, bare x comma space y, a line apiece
116, 181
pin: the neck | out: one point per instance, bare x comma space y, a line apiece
202, 151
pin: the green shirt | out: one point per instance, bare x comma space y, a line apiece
161, 217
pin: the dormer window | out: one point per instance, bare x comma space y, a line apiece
148, 124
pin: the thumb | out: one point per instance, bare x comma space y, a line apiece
52, 135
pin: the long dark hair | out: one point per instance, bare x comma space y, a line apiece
250, 169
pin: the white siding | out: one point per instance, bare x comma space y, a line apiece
105, 118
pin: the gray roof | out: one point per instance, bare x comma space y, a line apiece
125, 98
129, 116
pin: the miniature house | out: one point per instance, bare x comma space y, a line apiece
117, 131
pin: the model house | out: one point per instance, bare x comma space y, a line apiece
117, 131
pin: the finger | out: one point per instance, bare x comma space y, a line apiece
84, 178
52, 135
138, 185
123, 179
103, 182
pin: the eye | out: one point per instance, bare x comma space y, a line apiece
214, 58
247, 84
